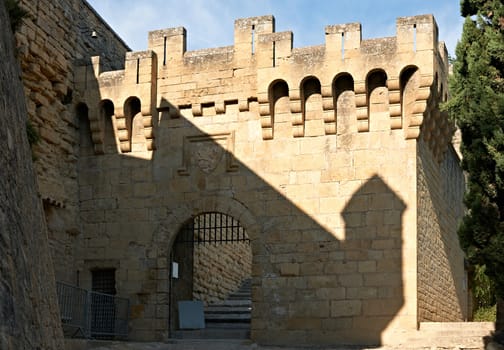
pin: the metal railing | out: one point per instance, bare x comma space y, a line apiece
91, 314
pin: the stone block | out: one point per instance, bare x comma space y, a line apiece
330, 204
384, 244
321, 281
304, 323
310, 309
346, 308
337, 293
362, 293
308, 162
383, 279
311, 268
340, 267
381, 307
367, 266
288, 270
351, 280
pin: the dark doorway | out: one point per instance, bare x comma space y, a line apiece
211, 263
103, 311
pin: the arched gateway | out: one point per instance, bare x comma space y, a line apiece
210, 260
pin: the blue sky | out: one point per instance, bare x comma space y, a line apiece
209, 23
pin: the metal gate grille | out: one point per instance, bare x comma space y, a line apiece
212, 227
103, 308
92, 314
103, 281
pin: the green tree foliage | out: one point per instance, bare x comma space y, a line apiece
483, 290
477, 105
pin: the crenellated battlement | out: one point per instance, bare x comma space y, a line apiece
391, 83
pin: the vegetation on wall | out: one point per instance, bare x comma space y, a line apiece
33, 135
483, 291
16, 13
477, 105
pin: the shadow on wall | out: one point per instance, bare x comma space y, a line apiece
441, 268
308, 287
373, 231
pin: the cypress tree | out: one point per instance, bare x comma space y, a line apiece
477, 105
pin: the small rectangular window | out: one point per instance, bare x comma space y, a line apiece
103, 281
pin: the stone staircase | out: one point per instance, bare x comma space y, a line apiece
227, 319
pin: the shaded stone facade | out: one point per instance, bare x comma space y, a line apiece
29, 317
55, 37
334, 159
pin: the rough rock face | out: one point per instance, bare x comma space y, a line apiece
28, 308
53, 37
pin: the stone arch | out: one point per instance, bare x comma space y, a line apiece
167, 230
165, 235
375, 79
132, 109
378, 100
311, 104
278, 95
344, 103
409, 85
107, 110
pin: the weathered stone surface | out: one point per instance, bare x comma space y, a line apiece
54, 36
333, 158
441, 275
232, 260
29, 317
319, 152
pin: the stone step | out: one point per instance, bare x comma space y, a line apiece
450, 342
246, 293
228, 317
228, 325
245, 286
212, 333
227, 309
461, 327
238, 297
238, 302
439, 335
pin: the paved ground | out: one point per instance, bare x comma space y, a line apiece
227, 345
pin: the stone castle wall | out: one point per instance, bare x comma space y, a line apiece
55, 35
313, 150
29, 317
442, 281
326, 155
220, 269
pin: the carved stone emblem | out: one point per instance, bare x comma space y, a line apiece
207, 155
208, 151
